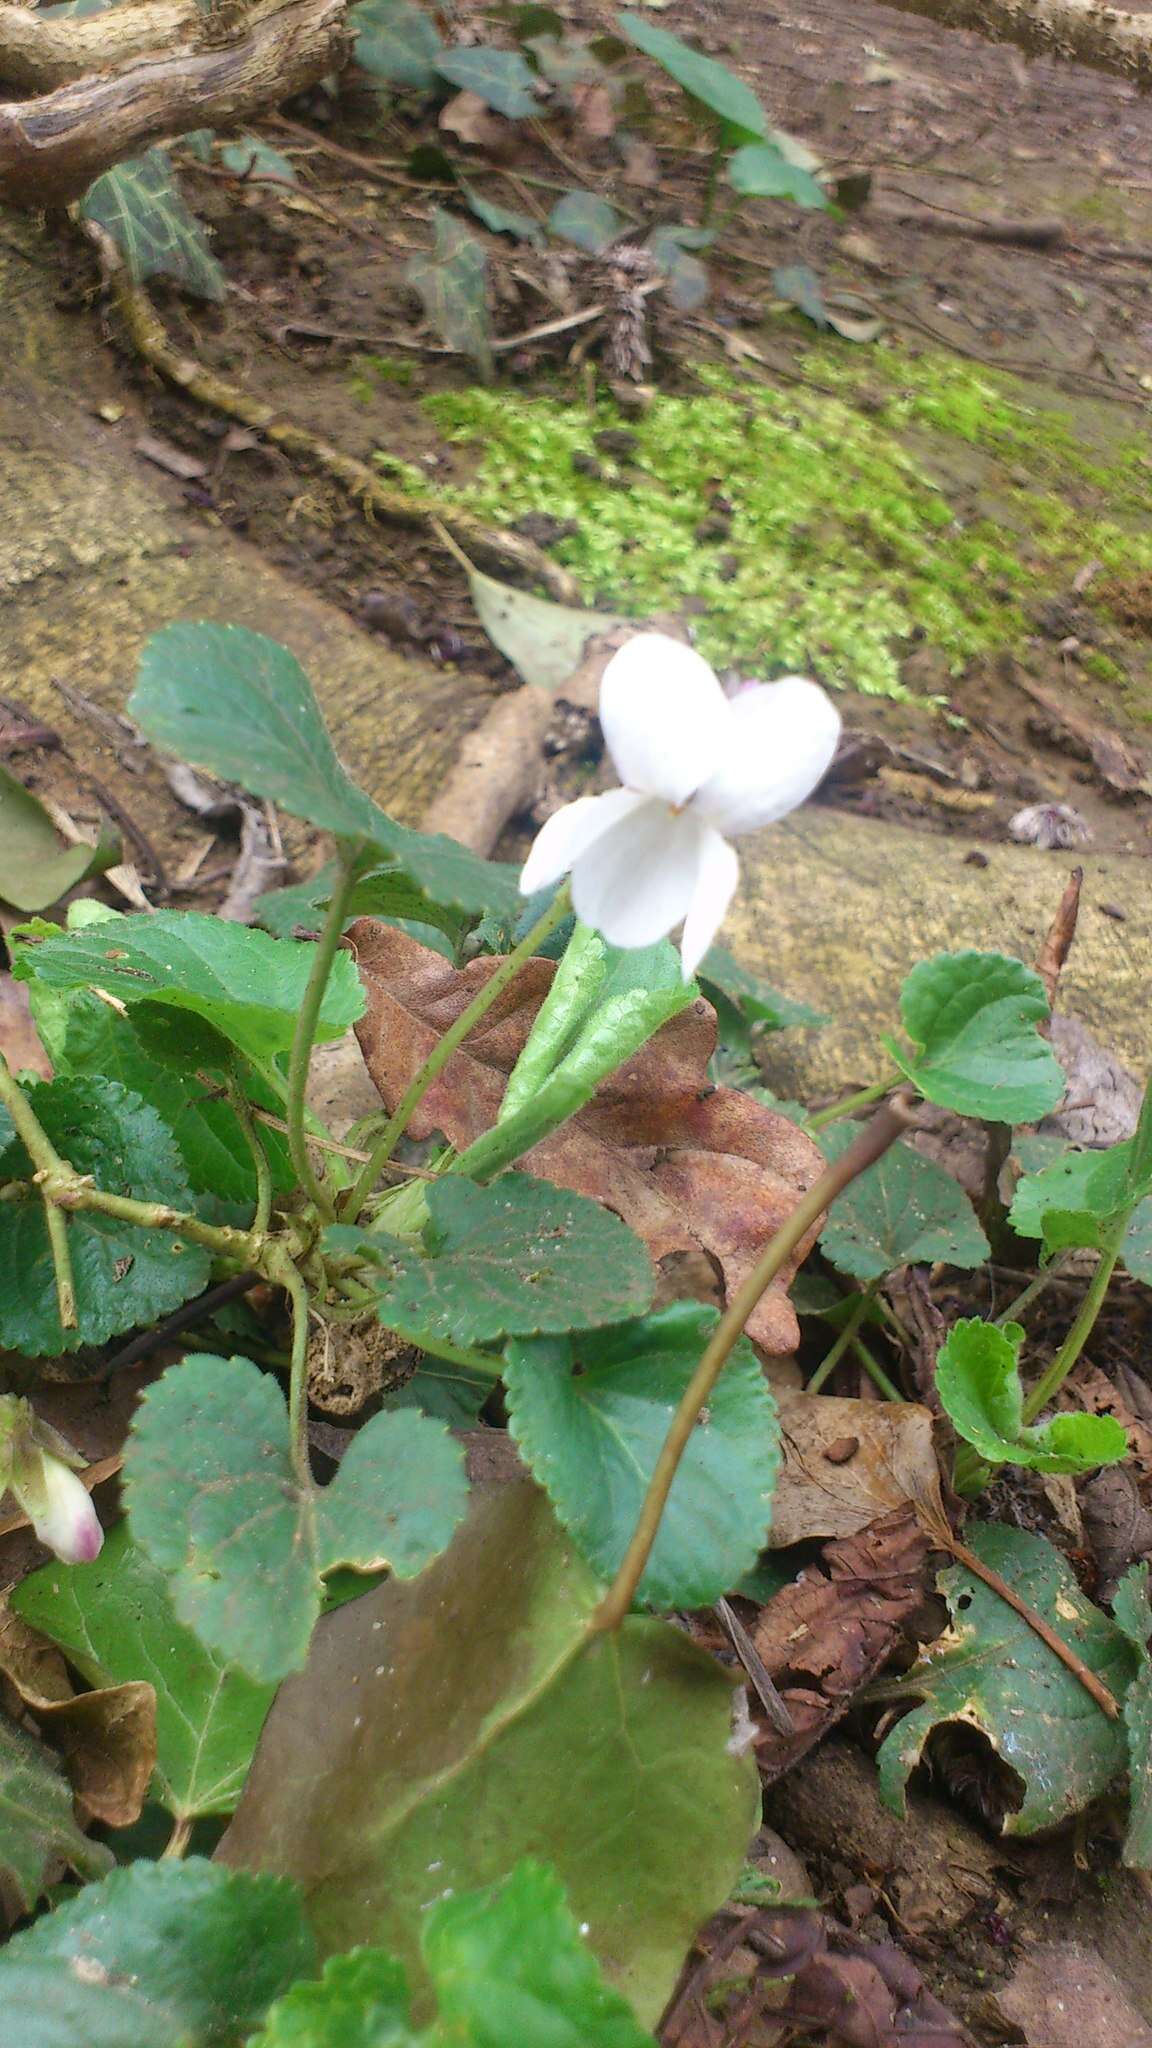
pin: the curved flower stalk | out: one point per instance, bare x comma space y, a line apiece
37, 1466
698, 769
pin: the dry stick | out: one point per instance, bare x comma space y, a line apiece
1058, 938
152, 342
874, 1140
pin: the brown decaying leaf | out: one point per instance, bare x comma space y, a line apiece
471, 120
687, 1166
826, 1636
845, 1462
106, 1738
19, 1040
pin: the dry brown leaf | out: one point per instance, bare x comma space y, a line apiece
471, 120
845, 1462
688, 1166
19, 1040
105, 1738
594, 110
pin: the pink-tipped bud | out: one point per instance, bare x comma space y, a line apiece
59, 1507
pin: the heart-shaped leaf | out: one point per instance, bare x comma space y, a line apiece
903, 1211
1070, 1202
452, 286
172, 1955
395, 43
447, 1728
39, 1837
115, 1622
516, 1258
978, 1381
590, 1414
503, 79
992, 1672
241, 706
503, 220
761, 171
972, 1018
140, 205
35, 869
214, 1501
701, 77
123, 1275
587, 220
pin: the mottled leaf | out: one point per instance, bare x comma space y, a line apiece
452, 286
396, 43
140, 205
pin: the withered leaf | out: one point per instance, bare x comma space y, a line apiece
107, 1740
845, 1462
688, 1166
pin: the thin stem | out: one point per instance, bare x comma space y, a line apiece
875, 1371
47, 1161
304, 1034
177, 1843
242, 1112
441, 1053
885, 1127
284, 1273
68, 1192
459, 1354
1027, 1295
1051, 1381
861, 1100
856, 1315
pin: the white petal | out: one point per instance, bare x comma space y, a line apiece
568, 832
638, 881
716, 880
60, 1509
781, 745
667, 722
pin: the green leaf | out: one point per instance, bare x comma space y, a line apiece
757, 1000
904, 1211
587, 220
761, 171
1133, 1613
246, 985
702, 78
251, 157
396, 43
192, 1953
992, 1672
213, 1500
545, 642
689, 283
38, 1832
114, 1621
239, 705
139, 203
35, 870
452, 286
503, 79
384, 892
799, 286
124, 1275
445, 1729
1070, 1202
361, 2001
978, 1381
973, 1017
519, 1257
503, 220
590, 1415
510, 1964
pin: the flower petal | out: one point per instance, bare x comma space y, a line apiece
59, 1508
568, 832
638, 881
667, 722
782, 740
716, 879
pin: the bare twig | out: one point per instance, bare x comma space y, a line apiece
1059, 936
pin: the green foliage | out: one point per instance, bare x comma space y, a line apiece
447, 1728
762, 171
396, 43
978, 1381
992, 1672
214, 1501
114, 1621
452, 286
124, 1275
587, 220
508, 1964
503, 79
38, 1832
241, 706
688, 282
252, 157
1073, 1200
1133, 1613
174, 1955
590, 1415
711, 84
904, 1211
243, 984
972, 1018
518, 1258
139, 204
35, 870
503, 220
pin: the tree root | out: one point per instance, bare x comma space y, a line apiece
151, 341
1080, 31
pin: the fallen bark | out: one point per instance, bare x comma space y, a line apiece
1077, 30
38, 52
53, 147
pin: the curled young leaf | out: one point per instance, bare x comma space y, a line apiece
978, 1380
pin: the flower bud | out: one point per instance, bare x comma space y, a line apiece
59, 1507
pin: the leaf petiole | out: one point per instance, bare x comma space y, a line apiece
302, 1039
48, 1163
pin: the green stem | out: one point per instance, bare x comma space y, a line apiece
48, 1163
856, 1315
1027, 1296
262, 1213
875, 1371
871, 1145
713, 176
861, 1100
460, 1354
304, 1034
284, 1273
69, 1192
441, 1053
1051, 1381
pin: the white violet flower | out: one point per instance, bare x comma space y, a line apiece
698, 769
59, 1507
